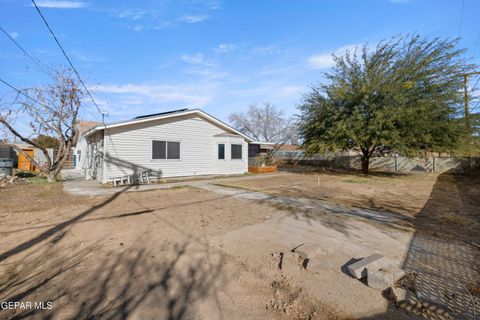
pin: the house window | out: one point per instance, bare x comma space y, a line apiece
221, 151
173, 150
236, 151
165, 150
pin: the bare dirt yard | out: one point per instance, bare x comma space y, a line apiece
447, 205
205, 252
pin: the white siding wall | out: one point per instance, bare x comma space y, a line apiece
129, 149
93, 159
81, 153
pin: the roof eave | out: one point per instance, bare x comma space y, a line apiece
193, 111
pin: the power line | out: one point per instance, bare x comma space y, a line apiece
475, 85
23, 93
35, 60
29, 97
69, 61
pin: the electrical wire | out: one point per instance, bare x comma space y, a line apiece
68, 59
44, 68
22, 93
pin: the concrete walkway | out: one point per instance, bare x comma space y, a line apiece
93, 188
71, 174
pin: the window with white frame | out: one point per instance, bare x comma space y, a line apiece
221, 151
165, 149
236, 151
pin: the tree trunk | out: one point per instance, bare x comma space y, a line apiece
52, 176
365, 163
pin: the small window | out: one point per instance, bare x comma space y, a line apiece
221, 151
173, 150
236, 151
159, 150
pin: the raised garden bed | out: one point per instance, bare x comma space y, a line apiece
265, 169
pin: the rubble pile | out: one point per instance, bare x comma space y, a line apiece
11, 180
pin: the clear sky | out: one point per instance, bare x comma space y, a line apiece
148, 56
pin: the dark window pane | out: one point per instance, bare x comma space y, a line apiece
236, 151
253, 150
173, 151
158, 150
221, 151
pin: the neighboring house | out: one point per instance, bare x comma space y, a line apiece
170, 144
80, 149
288, 147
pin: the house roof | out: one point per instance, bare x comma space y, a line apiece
166, 115
85, 125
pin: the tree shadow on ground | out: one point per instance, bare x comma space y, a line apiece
441, 253
55, 229
132, 282
315, 168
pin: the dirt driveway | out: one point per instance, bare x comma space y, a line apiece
187, 253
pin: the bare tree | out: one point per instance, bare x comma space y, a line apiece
51, 111
265, 123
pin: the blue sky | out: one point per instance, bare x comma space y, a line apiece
141, 57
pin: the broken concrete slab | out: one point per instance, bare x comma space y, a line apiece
383, 277
318, 265
400, 296
308, 250
359, 268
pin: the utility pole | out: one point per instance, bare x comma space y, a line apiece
467, 111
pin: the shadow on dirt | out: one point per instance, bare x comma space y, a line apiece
441, 251
131, 282
58, 228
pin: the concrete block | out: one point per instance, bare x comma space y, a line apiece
359, 268
318, 265
397, 295
308, 250
383, 277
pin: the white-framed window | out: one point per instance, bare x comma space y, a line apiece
221, 151
165, 149
236, 151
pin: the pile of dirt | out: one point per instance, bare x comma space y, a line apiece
291, 302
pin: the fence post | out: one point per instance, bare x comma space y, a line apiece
396, 163
433, 164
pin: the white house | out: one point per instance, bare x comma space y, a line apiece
80, 149
170, 144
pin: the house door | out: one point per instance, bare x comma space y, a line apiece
23, 162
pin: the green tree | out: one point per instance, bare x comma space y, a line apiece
404, 94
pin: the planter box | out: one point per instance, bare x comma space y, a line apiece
266, 169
